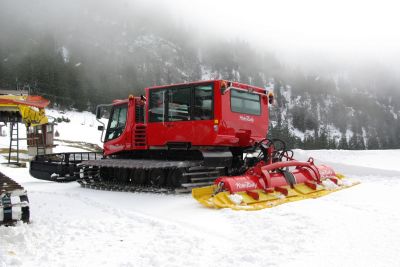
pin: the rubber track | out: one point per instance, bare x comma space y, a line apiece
43, 166
140, 164
14, 203
91, 178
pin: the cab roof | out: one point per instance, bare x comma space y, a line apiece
227, 84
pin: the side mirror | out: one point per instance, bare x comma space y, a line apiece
98, 113
100, 128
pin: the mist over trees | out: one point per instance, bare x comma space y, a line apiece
82, 53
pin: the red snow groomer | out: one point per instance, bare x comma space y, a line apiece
276, 178
181, 137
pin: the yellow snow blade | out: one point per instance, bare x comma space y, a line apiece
243, 201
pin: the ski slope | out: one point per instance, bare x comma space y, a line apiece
73, 226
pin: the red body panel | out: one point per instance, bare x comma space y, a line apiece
240, 129
129, 139
227, 128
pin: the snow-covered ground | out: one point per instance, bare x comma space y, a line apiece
81, 128
72, 226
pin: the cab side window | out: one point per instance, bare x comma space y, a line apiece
179, 104
245, 102
157, 105
203, 102
183, 103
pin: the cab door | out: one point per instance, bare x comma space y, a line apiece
203, 115
170, 116
156, 126
179, 124
181, 114
115, 139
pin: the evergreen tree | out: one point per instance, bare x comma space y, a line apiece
353, 142
373, 142
277, 92
360, 142
343, 144
309, 142
332, 143
322, 141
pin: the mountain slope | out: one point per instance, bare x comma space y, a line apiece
72, 48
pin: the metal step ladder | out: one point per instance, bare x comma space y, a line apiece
14, 144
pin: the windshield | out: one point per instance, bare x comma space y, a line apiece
117, 122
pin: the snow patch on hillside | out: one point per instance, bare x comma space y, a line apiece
395, 116
296, 132
334, 132
65, 54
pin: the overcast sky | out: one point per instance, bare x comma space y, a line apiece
297, 30
340, 27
